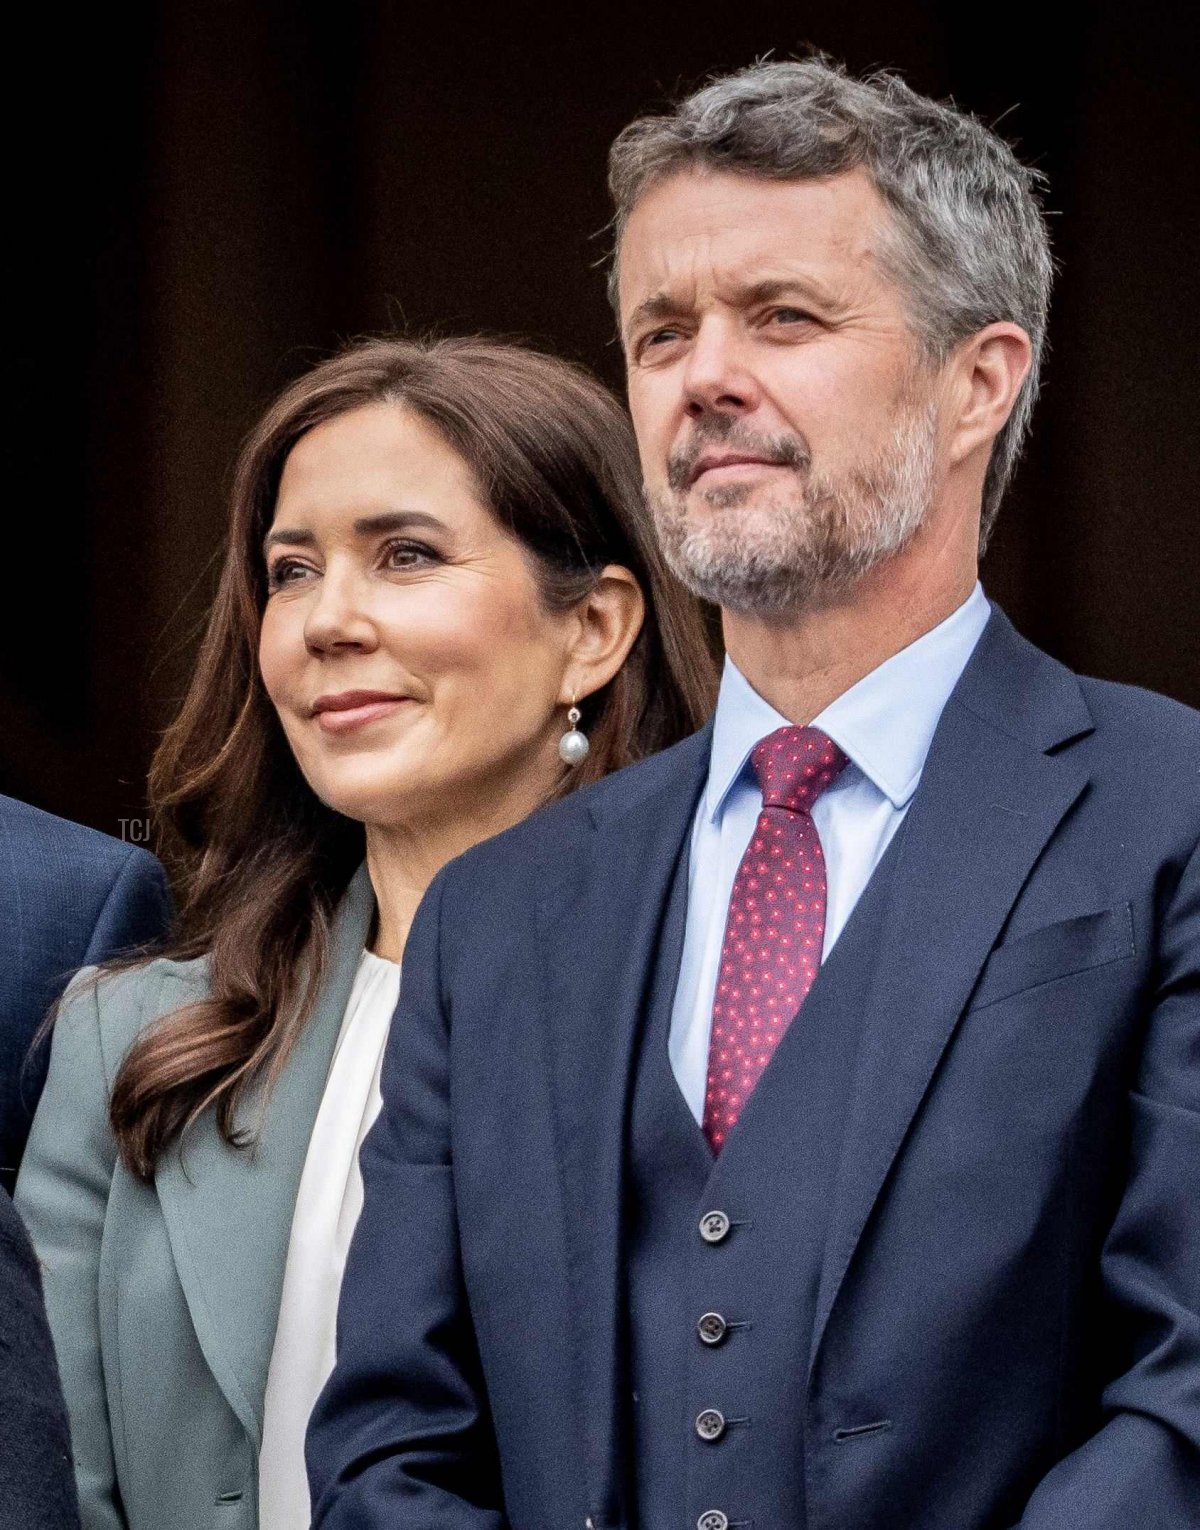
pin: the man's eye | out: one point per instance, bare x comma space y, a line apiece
656, 340
789, 316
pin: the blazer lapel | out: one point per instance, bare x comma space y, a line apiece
600, 925
229, 1211
996, 784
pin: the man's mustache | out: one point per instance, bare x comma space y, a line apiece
784, 451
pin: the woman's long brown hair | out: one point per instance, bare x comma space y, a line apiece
259, 860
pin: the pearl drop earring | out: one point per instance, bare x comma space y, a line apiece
573, 746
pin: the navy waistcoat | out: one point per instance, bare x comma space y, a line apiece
724, 1254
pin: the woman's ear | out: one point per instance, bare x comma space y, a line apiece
608, 620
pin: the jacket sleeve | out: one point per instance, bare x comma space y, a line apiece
1142, 1467
401, 1436
84, 914
62, 1194
137, 910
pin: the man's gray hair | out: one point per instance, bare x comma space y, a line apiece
967, 242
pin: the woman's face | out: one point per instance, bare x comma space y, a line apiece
404, 644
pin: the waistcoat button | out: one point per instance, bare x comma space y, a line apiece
713, 1519
710, 1425
712, 1328
714, 1226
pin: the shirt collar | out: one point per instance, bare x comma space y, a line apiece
884, 723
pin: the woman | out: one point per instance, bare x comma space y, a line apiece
437, 567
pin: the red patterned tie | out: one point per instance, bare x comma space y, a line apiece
776, 922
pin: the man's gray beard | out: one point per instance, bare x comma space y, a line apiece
816, 541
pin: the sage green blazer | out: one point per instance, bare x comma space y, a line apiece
163, 1299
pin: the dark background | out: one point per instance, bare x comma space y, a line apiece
211, 197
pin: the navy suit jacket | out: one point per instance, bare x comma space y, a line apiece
37, 1485
1011, 1274
69, 896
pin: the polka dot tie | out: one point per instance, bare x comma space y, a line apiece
776, 923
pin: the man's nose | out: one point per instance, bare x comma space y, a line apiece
718, 377
339, 615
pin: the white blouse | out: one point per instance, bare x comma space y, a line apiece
327, 1208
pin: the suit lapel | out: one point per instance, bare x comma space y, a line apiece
995, 786
229, 1212
600, 926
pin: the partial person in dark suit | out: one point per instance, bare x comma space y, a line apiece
801, 1129
37, 1486
68, 896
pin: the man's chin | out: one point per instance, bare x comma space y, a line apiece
740, 512
744, 496
740, 572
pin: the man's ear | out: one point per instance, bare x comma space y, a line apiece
989, 369
608, 620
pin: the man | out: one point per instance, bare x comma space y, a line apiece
801, 1130
69, 896
37, 1485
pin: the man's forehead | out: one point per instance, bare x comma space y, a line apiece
697, 228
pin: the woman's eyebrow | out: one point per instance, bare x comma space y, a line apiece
398, 520
283, 534
365, 526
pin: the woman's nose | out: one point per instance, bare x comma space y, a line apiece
339, 616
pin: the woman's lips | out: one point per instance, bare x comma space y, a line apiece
345, 719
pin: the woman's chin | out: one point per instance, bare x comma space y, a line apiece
375, 802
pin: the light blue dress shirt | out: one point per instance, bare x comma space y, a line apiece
884, 724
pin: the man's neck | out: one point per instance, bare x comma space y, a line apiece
802, 662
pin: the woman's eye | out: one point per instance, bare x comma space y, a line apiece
283, 571
407, 555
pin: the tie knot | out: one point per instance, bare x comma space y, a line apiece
795, 765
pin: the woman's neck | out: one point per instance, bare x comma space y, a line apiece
399, 882
402, 859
